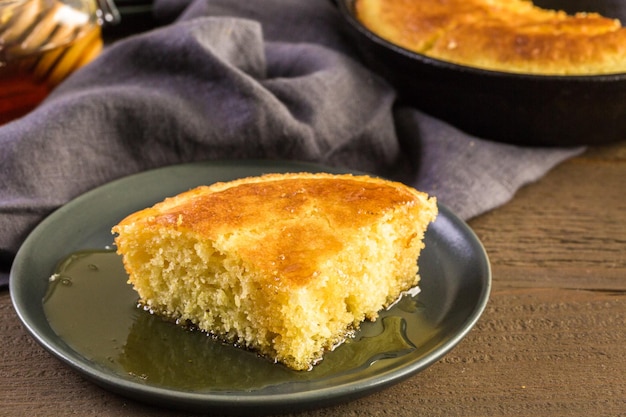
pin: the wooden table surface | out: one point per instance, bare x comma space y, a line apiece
551, 342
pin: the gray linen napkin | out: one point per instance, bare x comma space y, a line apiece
237, 79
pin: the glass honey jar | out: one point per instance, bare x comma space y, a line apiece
41, 43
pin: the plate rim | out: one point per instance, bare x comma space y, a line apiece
240, 402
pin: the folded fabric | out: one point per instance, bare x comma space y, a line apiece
238, 79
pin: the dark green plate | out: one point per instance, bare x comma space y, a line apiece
409, 337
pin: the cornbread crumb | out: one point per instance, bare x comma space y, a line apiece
283, 264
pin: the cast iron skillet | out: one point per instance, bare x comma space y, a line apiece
521, 109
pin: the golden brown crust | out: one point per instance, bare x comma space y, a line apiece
291, 202
503, 35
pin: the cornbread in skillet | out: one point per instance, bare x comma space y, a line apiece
502, 35
287, 265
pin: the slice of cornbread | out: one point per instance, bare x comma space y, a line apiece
283, 264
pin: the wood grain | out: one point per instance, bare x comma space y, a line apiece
550, 343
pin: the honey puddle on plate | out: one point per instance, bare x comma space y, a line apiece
92, 308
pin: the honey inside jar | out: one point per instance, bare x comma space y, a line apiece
41, 43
